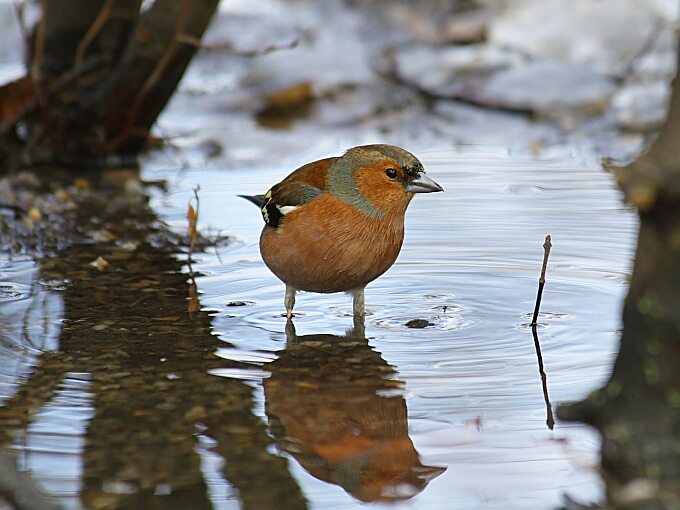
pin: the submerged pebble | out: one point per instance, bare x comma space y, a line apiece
418, 323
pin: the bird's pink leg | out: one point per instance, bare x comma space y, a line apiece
289, 300
358, 304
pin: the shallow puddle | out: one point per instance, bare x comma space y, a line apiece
469, 267
114, 395
447, 414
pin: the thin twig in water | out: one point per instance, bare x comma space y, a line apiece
541, 281
192, 216
550, 420
193, 305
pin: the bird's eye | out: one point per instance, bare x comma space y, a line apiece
391, 173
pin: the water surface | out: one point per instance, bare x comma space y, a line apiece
469, 266
451, 415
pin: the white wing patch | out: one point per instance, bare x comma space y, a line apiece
285, 209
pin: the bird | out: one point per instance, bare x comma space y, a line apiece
337, 224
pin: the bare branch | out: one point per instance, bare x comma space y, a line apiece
93, 31
226, 48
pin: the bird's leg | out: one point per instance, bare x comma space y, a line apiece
289, 300
358, 304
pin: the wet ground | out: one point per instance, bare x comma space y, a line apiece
127, 384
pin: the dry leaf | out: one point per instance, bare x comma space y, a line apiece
101, 264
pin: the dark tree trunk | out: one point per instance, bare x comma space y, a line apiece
100, 72
638, 410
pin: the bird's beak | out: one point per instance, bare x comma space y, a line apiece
423, 184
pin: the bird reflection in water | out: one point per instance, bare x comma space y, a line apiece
335, 405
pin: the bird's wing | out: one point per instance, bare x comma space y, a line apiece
299, 188
286, 197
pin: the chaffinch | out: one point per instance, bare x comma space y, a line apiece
337, 224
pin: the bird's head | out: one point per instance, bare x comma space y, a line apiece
379, 179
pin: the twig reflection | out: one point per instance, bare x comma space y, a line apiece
550, 420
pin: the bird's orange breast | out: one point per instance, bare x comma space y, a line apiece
329, 246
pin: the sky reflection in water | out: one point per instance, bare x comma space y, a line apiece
469, 265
